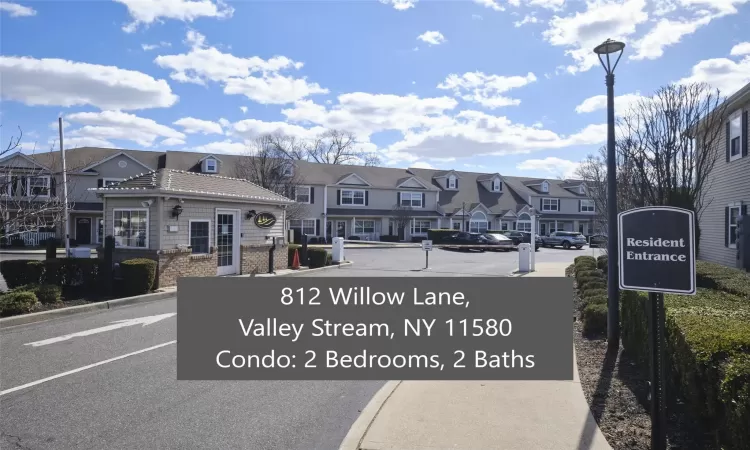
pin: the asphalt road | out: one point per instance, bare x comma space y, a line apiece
94, 401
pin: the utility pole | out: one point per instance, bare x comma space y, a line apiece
65, 190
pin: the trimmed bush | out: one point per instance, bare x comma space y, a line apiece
588, 273
583, 282
595, 300
78, 277
727, 279
18, 272
389, 238
291, 249
597, 284
17, 302
570, 270
594, 293
594, 319
329, 259
317, 257
582, 258
601, 263
138, 275
48, 293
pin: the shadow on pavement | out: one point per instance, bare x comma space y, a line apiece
599, 399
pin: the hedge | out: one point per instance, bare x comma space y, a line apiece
138, 275
584, 258
19, 272
708, 347
78, 277
45, 293
17, 302
317, 257
601, 263
594, 318
727, 279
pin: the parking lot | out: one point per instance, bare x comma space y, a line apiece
410, 262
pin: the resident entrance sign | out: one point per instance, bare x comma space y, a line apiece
657, 250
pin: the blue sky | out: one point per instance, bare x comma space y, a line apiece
485, 85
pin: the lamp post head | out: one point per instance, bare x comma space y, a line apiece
607, 48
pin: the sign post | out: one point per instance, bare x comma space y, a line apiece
657, 255
427, 247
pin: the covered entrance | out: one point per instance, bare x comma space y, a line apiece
83, 230
227, 241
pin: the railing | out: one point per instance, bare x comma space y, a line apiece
33, 238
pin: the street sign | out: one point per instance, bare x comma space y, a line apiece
657, 250
427, 246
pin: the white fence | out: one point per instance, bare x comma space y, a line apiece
33, 238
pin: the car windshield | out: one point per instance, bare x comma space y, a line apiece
496, 237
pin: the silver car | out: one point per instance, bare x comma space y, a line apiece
565, 239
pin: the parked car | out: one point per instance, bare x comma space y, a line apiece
565, 239
598, 241
464, 238
504, 243
520, 237
527, 239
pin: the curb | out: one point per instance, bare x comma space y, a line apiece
317, 269
359, 428
62, 312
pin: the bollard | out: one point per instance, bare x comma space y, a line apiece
337, 250
303, 252
524, 257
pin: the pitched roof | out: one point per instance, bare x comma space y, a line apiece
79, 158
470, 193
378, 177
556, 189
180, 181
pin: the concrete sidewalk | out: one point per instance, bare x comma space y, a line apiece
479, 415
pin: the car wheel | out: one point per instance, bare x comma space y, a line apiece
566, 245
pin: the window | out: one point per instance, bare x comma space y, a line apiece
288, 171
478, 226
302, 194
504, 226
38, 186
420, 226
545, 187
734, 213
496, 185
131, 228
581, 189
109, 182
352, 197
523, 223
364, 226
550, 204
735, 137
199, 236
452, 182
587, 206
413, 199
457, 225
305, 226
210, 165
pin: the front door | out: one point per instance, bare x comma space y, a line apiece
341, 229
83, 230
328, 229
227, 242
543, 229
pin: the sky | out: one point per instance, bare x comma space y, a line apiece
508, 86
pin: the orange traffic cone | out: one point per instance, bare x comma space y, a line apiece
295, 260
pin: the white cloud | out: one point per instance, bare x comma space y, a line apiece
741, 49
148, 12
243, 109
66, 83
148, 47
477, 17
721, 73
665, 33
225, 123
364, 113
170, 142
252, 128
238, 75
580, 32
554, 5
551, 165
527, 19
191, 125
401, 5
486, 89
16, 10
598, 102
55, 125
107, 125
492, 4
422, 165
432, 37
227, 146
720, 7
83, 141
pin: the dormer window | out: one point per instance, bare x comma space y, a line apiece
545, 187
452, 182
497, 186
288, 171
581, 189
210, 165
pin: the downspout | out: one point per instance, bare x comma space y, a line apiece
325, 214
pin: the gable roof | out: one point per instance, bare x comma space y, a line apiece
87, 157
23, 156
102, 161
525, 187
183, 182
489, 176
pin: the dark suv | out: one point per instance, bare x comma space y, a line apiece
520, 237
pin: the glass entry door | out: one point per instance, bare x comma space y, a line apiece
227, 242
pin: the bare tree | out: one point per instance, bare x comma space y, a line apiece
272, 168
402, 217
339, 147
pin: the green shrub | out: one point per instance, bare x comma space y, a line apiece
78, 277
48, 293
588, 273
735, 395
329, 259
594, 319
601, 263
585, 265
597, 284
570, 270
594, 293
138, 275
584, 258
292, 249
727, 279
317, 257
18, 272
17, 302
584, 282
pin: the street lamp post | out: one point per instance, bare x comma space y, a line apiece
604, 50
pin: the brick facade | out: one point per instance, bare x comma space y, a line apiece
175, 263
255, 258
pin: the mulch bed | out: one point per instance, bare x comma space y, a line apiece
617, 393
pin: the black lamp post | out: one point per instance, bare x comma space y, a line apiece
604, 50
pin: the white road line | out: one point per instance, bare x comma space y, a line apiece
81, 369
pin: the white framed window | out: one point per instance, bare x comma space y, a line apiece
545, 187
523, 223
364, 226
200, 236
413, 199
452, 182
582, 189
352, 197
305, 226
504, 226
497, 186
108, 182
457, 226
302, 194
420, 227
130, 227
735, 136
734, 213
550, 204
288, 170
587, 206
38, 186
478, 223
